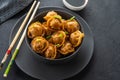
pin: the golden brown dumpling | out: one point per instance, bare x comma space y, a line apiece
39, 44
51, 52
71, 26
35, 29
55, 23
66, 48
47, 29
50, 14
58, 38
76, 38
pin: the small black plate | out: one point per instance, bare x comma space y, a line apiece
33, 67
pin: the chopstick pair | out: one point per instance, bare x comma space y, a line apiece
21, 39
16, 36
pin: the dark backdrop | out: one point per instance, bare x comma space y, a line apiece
103, 17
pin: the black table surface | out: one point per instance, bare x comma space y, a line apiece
103, 17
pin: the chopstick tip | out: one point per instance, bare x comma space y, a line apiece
5, 75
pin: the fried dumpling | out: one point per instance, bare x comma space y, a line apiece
39, 44
66, 48
55, 23
35, 29
76, 38
46, 29
58, 38
71, 26
50, 14
51, 52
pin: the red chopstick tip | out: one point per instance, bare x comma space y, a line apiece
8, 52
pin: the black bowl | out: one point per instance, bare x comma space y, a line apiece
65, 15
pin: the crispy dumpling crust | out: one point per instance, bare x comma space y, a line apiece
55, 23
39, 44
71, 26
58, 38
51, 52
35, 29
50, 14
47, 30
76, 38
66, 48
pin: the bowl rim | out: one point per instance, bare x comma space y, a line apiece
58, 59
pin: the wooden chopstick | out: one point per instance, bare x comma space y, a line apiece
20, 42
17, 35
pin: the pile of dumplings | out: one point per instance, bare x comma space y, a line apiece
55, 37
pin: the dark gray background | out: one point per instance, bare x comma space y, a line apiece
103, 17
